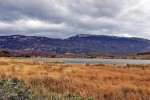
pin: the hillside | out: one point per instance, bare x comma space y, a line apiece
144, 53
25, 53
78, 44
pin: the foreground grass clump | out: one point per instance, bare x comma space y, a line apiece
15, 89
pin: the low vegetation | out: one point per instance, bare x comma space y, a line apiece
15, 89
57, 81
42, 54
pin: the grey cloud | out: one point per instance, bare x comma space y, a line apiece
96, 8
64, 18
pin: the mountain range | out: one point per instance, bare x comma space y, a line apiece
82, 43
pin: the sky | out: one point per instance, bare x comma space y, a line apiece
65, 18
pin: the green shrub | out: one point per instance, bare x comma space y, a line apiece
15, 89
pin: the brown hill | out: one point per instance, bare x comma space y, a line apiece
144, 53
25, 53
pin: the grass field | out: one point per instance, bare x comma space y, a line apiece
98, 81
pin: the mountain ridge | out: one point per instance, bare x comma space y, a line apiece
78, 35
81, 43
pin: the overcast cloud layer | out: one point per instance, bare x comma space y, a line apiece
64, 18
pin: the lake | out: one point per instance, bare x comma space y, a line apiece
119, 62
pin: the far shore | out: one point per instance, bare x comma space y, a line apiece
117, 62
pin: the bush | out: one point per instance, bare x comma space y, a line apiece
15, 89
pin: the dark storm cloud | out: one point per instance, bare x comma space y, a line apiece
64, 18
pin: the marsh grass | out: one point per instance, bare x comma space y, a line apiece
82, 81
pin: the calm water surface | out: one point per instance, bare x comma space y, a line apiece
119, 62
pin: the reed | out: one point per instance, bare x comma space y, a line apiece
107, 82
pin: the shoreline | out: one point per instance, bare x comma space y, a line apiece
117, 62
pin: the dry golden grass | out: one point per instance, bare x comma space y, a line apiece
103, 81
